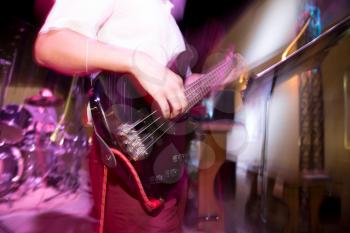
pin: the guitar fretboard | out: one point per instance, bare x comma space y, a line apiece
197, 90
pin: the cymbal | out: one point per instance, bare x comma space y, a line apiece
45, 98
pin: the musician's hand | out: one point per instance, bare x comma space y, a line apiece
240, 70
238, 73
162, 84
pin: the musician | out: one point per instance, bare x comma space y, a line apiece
134, 36
140, 37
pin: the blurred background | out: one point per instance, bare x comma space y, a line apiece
271, 156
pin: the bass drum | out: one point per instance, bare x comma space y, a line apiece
11, 169
14, 122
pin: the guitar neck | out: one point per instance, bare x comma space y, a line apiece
197, 90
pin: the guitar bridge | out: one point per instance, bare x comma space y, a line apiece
131, 142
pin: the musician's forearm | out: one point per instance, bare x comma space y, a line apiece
74, 54
71, 53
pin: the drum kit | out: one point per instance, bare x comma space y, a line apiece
29, 158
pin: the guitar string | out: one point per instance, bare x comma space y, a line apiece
192, 88
194, 101
164, 131
147, 126
189, 89
221, 70
172, 123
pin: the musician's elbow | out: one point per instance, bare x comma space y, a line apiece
41, 52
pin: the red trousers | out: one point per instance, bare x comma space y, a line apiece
124, 213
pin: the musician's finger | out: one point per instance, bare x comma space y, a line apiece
183, 100
180, 94
163, 105
175, 105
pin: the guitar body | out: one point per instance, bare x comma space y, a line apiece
124, 118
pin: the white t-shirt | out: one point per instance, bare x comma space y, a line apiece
140, 25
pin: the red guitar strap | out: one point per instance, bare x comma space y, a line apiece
149, 204
103, 200
99, 176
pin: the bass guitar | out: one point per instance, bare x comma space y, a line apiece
144, 149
